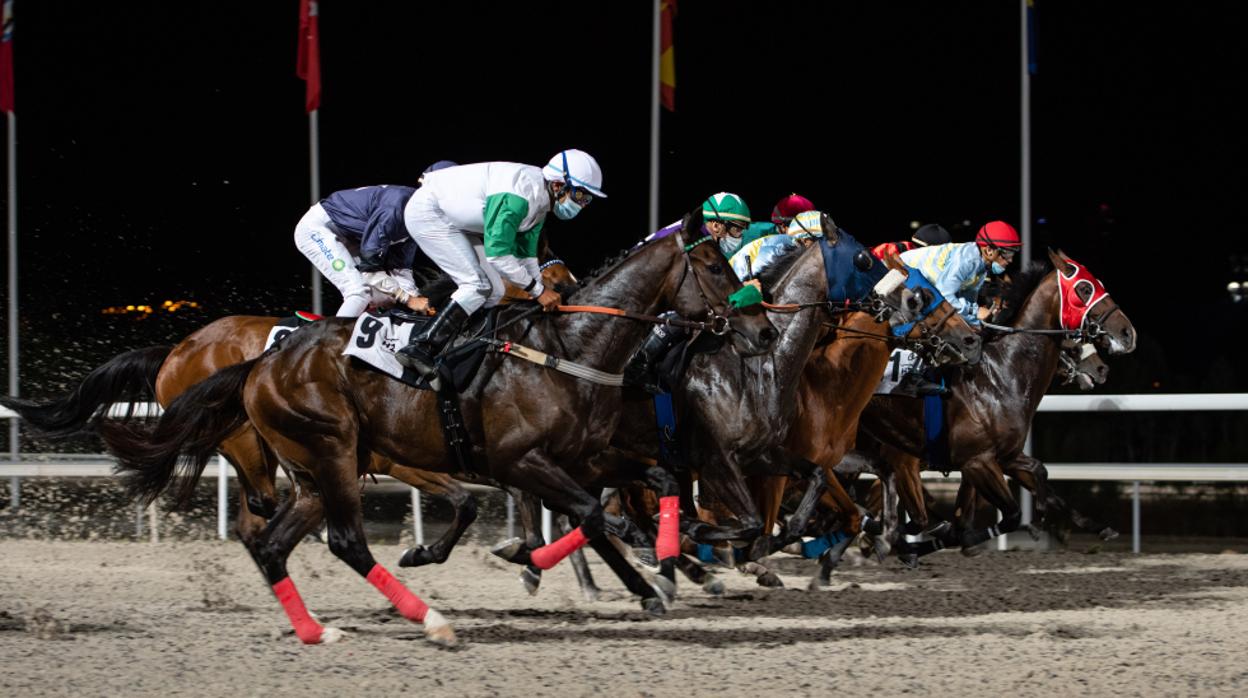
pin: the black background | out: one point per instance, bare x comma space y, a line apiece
164, 147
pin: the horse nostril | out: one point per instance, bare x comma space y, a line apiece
768, 334
970, 340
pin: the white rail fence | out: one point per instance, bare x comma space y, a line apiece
77, 465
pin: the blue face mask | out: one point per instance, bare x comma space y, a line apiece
566, 209
997, 268
729, 246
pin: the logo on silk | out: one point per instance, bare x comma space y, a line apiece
329, 254
339, 265
1074, 308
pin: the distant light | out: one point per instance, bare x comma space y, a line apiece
1234, 287
914, 225
1156, 384
1042, 221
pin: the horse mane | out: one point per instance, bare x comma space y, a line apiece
773, 273
1014, 294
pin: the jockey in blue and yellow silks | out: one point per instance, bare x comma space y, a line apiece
959, 269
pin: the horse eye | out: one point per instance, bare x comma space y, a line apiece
715, 269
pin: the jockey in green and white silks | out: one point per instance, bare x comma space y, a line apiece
480, 223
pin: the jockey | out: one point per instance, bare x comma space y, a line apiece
957, 270
370, 219
725, 218
786, 208
926, 236
480, 223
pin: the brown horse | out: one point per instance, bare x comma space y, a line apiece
165, 373
530, 427
991, 409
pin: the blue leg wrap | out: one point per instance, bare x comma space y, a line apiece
706, 553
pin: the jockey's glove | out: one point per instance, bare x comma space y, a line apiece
383, 282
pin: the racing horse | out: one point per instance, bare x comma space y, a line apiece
753, 424
164, 373
991, 409
530, 427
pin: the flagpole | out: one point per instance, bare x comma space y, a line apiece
15, 484
315, 156
1025, 129
654, 119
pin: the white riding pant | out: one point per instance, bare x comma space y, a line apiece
316, 236
460, 254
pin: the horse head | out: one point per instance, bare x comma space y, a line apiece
700, 286
924, 320
1081, 364
1085, 306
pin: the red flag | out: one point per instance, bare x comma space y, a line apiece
6, 59
667, 55
308, 67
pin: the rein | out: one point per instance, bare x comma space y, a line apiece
715, 326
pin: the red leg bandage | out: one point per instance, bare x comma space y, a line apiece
307, 630
410, 606
668, 543
548, 556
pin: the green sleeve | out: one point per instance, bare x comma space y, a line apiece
503, 215
526, 243
757, 230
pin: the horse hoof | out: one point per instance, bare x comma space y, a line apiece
713, 586
769, 579
532, 580
438, 631
818, 583
910, 560
1108, 533
330, 636
509, 549
665, 586
1033, 531
415, 557
646, 557
592, 594
974, 550
874, 527
654, 606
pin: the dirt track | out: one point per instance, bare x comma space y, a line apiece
193, 618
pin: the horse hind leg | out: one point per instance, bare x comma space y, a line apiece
335, 475
271, 548
443, 487
580, 565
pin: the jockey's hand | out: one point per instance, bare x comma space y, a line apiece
419, 304
983, 313
549, 300
755, 283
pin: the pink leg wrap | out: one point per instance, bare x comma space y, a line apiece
410, 606
668, 543
548, 556
308, 630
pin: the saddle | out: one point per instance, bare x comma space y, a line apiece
377, 336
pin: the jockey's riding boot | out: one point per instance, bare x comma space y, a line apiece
420, 352
642, 368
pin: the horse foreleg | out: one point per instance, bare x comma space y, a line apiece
984, 475
444, 487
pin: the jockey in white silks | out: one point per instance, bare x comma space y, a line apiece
480, 224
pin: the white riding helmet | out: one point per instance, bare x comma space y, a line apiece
577, 168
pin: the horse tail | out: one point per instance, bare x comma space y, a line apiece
182, 441
124, 378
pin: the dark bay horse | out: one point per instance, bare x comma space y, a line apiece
991, 408
531, 427
163, 373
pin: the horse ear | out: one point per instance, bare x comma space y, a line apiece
829, 229
1059, 260
693, 223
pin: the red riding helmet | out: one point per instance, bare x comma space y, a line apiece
787, 208
998, 234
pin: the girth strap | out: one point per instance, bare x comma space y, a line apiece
571, 368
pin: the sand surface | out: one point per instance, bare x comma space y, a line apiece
194, 618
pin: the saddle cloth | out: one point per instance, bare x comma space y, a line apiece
286, 325
899, 363
377, 336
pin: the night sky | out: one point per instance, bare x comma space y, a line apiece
163, 146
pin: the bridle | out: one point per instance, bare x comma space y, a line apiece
719, 324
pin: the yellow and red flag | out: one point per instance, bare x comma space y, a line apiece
667, 55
